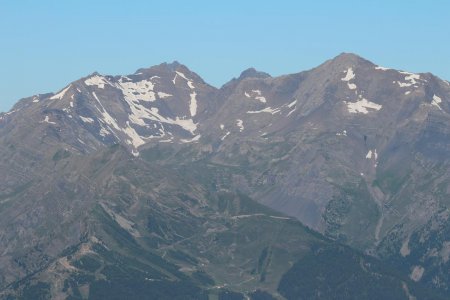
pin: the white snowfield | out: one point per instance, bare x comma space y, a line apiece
47, 120
136, 94
189, 82
135, 139
350, 75
193, 104
61, 94
382, 68
193, 94
98, 81
163, 95
86, 120
410, 78
255, 94
352, 86
436, 101
135, 91
362, 106
372, 154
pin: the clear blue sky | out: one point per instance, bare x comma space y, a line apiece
46, 44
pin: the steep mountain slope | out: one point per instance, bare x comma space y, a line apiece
140, 230
351, 149
159, 170
167, 101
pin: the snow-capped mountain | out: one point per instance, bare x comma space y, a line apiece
163, 103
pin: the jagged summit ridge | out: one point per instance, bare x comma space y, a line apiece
253, 73
171, 103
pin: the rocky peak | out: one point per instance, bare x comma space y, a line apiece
253, 73
349, 59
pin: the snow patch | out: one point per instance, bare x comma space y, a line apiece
257, 95
163, 95
188, 81
279, 218
86, 120
240, 125
381, 68
349, 75
411, 79
103, 132
186, 124
261, 99
193, 104
61, 94
293, 103
134, 91
265, 110
194, 139
98, 81
372, 154
47, 120
362, 106
107, 118
352, 86
135, 138
170, 140
139, 112
436, 101
224, 137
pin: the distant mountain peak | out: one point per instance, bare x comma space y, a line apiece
165, 67
248, 73
346, 58
253, 73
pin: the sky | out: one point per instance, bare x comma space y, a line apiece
46, 44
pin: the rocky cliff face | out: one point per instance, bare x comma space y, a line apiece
160, 158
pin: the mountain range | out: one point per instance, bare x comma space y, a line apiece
332, 183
